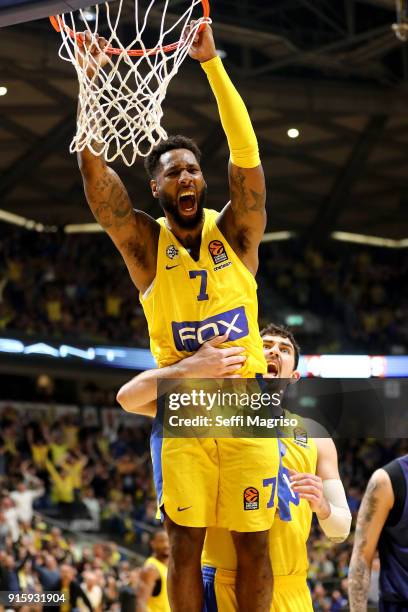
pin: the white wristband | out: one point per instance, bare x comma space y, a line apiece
337, 525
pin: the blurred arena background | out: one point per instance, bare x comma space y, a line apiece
326, 84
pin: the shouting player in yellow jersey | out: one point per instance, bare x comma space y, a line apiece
308, 482
152, 591
195, 271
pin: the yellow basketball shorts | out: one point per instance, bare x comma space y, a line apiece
290, 593
208, 482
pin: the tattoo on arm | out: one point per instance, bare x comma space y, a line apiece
360, 569
134, 233
359, 584
114, 209
245, 199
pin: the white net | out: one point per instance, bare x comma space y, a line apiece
120, 104
401, 27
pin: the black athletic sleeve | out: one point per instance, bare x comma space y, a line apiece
399, 486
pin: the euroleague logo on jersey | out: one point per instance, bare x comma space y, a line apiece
251, 498
217, 251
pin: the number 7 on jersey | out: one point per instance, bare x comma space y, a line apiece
203, 295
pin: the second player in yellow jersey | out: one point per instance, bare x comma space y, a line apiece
308, 480
287, 543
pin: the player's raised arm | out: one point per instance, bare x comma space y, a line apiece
243, 220
134, 233
375, 507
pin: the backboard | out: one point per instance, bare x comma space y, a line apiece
19, 11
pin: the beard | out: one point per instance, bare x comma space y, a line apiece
169, 206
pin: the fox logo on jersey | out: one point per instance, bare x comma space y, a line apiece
190, 335
217, 251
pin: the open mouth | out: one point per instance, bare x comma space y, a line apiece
273, 369
187, 202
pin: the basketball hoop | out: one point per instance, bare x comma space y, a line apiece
120, 106
401, 27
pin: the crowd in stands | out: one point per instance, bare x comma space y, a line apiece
53, 468
74, 471
67, 286
352, 298
71, 472
44, 560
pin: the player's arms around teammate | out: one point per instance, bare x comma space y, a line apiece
243, 220
139, 395
325, 492
377, 502
134, 233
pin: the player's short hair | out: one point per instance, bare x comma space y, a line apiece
155, 533
284, 332
152, 161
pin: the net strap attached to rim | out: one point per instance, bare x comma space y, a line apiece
401, 27
120, 105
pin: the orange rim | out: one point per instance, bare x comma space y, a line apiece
58, 25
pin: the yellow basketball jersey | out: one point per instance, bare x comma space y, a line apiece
290, 530
190, 301
160, 602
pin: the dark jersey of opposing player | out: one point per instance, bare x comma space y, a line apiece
393, 544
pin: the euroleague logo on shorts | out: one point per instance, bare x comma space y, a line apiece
217, 251
251, 498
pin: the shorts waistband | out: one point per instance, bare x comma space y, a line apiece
221, 575
293, 581
208, 572
228, 577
